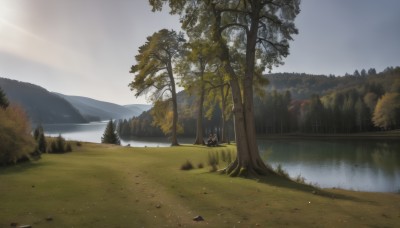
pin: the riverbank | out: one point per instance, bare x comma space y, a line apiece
395, 135
110, 186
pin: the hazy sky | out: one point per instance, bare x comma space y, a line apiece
86, 47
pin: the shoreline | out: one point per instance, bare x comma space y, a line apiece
389, 135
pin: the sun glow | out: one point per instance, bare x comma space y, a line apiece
7, 25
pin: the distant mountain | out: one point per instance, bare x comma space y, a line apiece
95, 110
139, 108
41, 105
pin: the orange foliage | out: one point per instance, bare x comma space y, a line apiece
16, 140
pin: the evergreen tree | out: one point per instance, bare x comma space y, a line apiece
38, 134
110, 135
3, 100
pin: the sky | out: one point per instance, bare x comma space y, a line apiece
86, 47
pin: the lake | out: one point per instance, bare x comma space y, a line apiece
361, 165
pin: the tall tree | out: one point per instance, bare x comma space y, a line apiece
252, 35
110, 135
197, 67
154, 71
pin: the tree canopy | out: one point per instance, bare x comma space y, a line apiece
251, 36
154, 72
387, 111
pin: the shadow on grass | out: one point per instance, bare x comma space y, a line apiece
283, 182
20, 167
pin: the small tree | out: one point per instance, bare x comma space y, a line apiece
3, 100
38, 134
110, 135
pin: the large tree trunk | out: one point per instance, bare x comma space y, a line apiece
199, 126
174, 137
248, 162
248, 95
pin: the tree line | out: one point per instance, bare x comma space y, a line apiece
336, 105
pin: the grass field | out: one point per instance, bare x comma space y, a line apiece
110, 186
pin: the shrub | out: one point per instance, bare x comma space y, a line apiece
187, 165
213, 161
16, 141
200, 166
58, 145
60, 142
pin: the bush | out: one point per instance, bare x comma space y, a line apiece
58, 145
16, 141
187, 165
200, 166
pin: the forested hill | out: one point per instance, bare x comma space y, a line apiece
296, 102
41, 105
301, 86
95, 110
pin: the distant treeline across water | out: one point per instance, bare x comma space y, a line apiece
362, 102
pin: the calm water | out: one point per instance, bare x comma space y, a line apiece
362, 165
92, 132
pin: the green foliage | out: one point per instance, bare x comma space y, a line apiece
215, 157
140, 126
348, 104
59, 145
3, 100
213, 161
110, 136
154, 73
16, 141
38, 135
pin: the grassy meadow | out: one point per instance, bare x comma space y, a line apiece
101, 185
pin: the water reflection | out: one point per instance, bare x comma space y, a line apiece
372, 165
